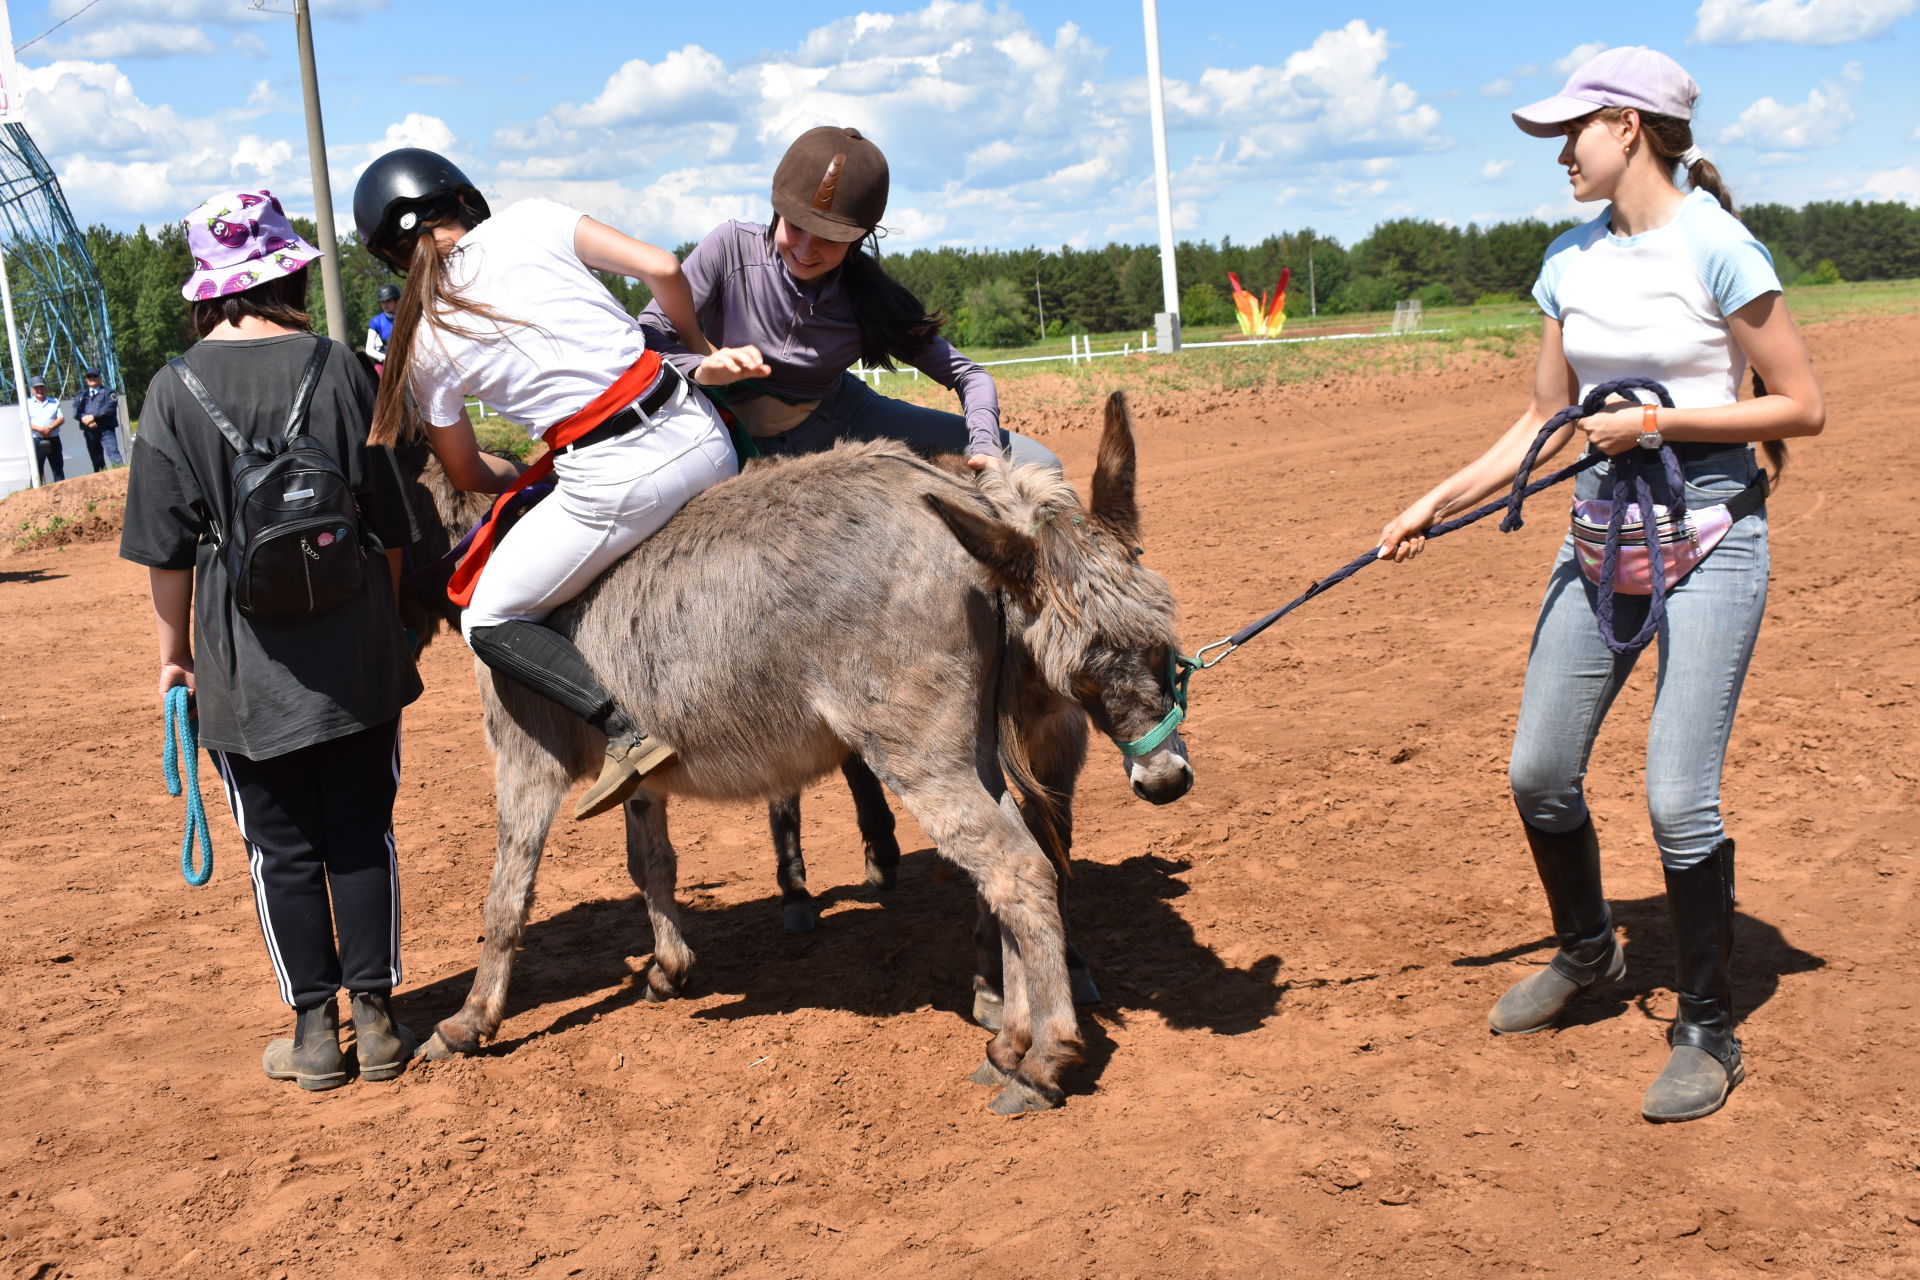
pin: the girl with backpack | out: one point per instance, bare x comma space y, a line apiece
808, 292
297, 694
505, 307
1672, 287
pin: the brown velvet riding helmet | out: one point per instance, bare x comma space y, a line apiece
833, 183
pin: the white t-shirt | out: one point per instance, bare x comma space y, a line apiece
576, 342
1655, 305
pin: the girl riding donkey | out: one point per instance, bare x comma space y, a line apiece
1672, 287
807, 291
506, 308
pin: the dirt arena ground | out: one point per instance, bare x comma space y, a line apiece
1292, 1076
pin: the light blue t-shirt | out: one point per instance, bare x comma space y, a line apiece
1655, 305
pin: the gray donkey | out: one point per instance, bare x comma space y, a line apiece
860, 600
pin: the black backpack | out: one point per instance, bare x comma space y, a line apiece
294, 546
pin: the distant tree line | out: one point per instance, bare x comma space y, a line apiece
994, 297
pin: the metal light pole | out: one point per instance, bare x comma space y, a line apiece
329, 245
1037, 300
1167, 323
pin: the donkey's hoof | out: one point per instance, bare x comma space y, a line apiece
1022, 1095
438, 1048
797, 917
988, 1074
881, 877
988, 1010
660, 987
1081, 983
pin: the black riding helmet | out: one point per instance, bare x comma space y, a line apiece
403, 189
387, 293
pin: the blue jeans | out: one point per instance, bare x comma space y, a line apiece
1704, 644
856, 411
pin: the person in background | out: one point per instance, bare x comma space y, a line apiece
380, 328
808, 292
1670, 286
99, 415
302, 718
44, 419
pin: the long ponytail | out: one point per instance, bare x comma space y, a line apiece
1671, 140
426, 299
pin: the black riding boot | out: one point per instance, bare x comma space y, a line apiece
1589, 956
546, 662
1704, 1064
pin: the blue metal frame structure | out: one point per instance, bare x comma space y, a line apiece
58, 302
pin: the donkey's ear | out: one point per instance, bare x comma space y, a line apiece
1113, 502
1011, 557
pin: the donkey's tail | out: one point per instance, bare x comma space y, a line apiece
1039, 803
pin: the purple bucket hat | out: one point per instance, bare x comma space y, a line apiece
240, 239
1631, 76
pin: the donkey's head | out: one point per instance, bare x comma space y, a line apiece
1098, 623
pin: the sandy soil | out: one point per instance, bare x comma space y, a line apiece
1292, 1075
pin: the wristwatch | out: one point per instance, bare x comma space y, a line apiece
1650, 437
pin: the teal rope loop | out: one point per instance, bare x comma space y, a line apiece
181, 740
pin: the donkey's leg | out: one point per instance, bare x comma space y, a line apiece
789, 864
876, 822
655, 867
989, 978
530, 783
1057, 747
1040, 1037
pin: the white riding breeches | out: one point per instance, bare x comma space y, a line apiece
607, 499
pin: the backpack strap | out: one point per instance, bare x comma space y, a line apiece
198, 389
303, 394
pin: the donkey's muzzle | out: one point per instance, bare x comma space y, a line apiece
1162, 777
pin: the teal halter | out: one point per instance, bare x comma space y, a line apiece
1180, 669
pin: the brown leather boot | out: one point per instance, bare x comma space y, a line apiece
631, 756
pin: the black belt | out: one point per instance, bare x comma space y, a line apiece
634, 414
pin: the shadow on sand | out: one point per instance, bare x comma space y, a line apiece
878, 954
1761, 957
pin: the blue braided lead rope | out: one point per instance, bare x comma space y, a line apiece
1630, 468
181, 741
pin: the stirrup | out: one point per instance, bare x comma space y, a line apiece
626, 764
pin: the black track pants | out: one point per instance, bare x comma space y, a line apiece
318, 825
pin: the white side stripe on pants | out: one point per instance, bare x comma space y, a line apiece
254, 860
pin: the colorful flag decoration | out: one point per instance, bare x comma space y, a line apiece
1261, 317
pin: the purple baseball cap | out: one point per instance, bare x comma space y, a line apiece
240, 239
1630, 76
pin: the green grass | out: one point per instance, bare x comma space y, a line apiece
1457, 335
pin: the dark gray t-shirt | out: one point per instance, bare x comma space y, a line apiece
265, 689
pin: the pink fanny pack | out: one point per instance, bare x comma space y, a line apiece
1684, 542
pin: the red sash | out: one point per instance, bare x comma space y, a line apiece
630, 386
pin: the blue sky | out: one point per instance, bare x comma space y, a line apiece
1006, 123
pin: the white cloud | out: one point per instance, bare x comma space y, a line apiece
1578, 55
1493, 170
1901, 184
115, 152
1497, 88
128, 41
1327, 100
1915, 135
1795, 21
1774, 126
